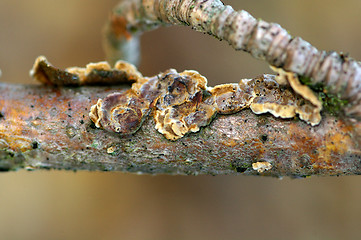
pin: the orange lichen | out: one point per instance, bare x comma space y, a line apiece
119, 27
12, 134
335, 144
230, 143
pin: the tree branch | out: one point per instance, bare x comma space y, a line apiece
49, 127
45, 127
340, 74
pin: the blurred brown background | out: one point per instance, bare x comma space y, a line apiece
95, 205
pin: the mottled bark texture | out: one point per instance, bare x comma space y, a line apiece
45, 127
339, 74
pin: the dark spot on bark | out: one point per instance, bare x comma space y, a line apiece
239, 165
1, 115
92, 125
264, 27
69, 109
69, 116
241, 169
35, 145
305, 161
81, 122
264, 137
32, 106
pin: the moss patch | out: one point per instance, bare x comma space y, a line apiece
331, 103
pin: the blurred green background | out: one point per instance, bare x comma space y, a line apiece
96, 205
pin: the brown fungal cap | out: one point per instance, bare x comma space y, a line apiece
119, 112
46, 73
180, 109
293, 81
309, 108
95, 114
94, 73
179, 87
270, 97
229, 98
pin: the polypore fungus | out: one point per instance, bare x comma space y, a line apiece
261, 166
181, 102
92, 74
180, 107
309, 112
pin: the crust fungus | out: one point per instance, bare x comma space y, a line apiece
261, 166
180, 108
176, 99
181, 102
282, 101
120, 112
310, 106
92, 74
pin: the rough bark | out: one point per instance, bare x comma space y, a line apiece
45, 127
269, 41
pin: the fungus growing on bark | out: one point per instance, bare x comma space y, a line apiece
180, 108
120, 112
310, 110
261, 166
181, 102
92, 74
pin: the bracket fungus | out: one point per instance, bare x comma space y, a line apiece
181, 102
93, 74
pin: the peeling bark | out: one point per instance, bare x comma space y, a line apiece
268, 41
45, 127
